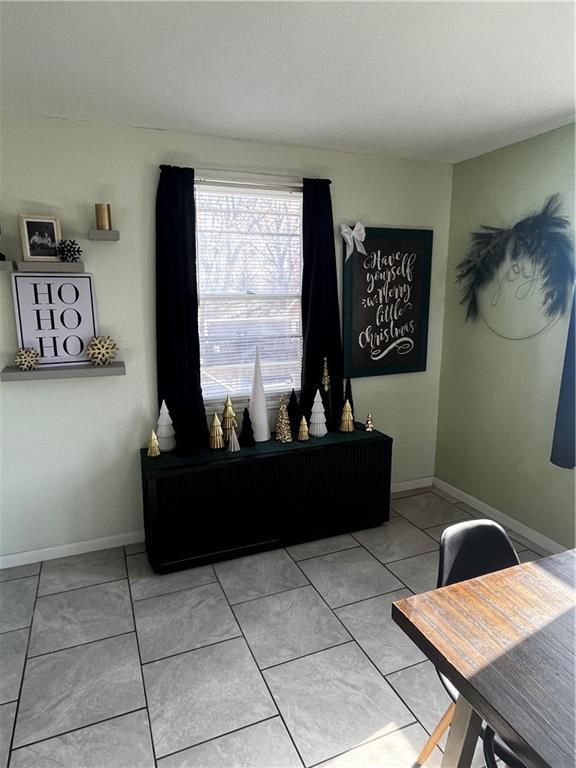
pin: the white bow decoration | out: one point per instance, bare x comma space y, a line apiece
353, 237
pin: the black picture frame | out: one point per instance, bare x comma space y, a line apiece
396, 268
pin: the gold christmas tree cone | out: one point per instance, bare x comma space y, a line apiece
228, 419
303, 433
347, 420
283, 433
153, 447
216, 436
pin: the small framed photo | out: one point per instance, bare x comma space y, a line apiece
40, 237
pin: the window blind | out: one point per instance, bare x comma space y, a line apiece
249, 260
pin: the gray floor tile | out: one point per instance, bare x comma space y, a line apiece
16, 603
145, 583
135, 549
321, 546
264, 745
528, 555
522, 542
12, 655
257, 575
19, 571
395, 540
182, 621
333, 701
396, 750
82, 570
419, 573
7, 712
411, 492
422, 690
348, 576
469, 510
371, 625
428, 509
445, 495
77, 687
203, 694
123, 742
80, 616
420, 687
288, 625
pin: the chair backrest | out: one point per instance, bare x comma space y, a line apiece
474, 548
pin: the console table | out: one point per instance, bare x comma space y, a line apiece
215, 505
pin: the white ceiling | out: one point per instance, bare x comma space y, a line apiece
439, 81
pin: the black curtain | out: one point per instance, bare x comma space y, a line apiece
565, 427
177, 343
320, 314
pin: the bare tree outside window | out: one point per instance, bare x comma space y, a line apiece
249, 257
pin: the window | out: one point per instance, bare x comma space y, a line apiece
249, 260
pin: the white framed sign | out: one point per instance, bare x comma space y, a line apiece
56, 315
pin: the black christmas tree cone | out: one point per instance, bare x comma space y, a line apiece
246, 438
294, 413
348, 394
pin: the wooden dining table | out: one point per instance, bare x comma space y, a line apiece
506, 641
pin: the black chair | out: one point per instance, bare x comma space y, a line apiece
467, 550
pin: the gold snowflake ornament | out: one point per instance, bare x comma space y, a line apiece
102, 350
27, 359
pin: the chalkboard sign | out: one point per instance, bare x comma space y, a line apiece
386, 301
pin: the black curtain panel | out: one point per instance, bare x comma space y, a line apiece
177, 343
565, 428
320, 313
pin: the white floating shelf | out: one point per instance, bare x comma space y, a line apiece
86, 370
104, 234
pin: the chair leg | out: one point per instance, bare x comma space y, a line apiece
437, 734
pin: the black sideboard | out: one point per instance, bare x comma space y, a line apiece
216, 505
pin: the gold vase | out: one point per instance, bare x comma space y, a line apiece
103, 216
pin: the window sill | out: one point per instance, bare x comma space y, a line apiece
239, 403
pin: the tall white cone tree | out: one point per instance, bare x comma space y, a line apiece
317, 426
258, 411
165, 430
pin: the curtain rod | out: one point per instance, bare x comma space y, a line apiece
247, 178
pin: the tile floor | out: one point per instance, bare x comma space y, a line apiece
278, 660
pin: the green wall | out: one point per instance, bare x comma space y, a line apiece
69, 448
498, 397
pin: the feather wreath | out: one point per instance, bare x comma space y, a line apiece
540, 237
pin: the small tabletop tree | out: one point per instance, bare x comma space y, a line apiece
165, 430
228, 419
346, 420
246, 434
318, 417
216, 437
283, 433
303, 433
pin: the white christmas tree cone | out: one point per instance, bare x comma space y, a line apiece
233, 444
258, 410
317, 427
165, 430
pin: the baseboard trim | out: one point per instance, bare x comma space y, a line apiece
410, 485
548, 545
108, 542
78, 548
